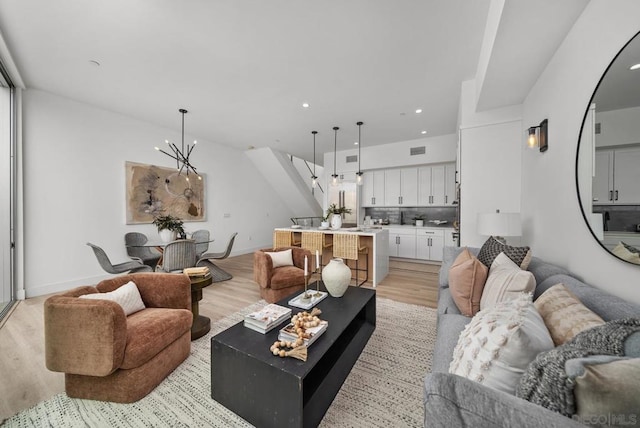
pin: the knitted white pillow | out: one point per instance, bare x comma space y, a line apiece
126, 296
498, 344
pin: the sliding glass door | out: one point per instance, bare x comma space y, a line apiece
7, 186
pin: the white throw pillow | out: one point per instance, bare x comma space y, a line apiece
498, 344
126, 296
505, 281
281, 258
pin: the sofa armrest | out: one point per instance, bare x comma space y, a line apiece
158, 290
82, 336
262, 269
451, 400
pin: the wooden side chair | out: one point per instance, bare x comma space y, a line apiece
347, 246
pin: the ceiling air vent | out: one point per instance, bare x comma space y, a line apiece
417, 151
352, 158
597, 127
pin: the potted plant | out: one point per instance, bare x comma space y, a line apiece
168, 227
419, 220
334, 215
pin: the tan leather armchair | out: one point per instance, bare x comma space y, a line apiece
278, 283
108, 356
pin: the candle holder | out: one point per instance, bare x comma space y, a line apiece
307, 295
309, 298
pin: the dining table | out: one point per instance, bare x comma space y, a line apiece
160, 245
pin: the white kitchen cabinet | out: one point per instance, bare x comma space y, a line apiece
450, 184
617, 176
603, 179
402, 243
436, 185
373, 188
430, 244
401, 187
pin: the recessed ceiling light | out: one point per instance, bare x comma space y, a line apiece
634, 67
418, 111
423, 132
305, 105
355, 143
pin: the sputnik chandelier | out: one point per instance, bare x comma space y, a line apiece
181, 155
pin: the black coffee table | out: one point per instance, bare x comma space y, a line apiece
270, 391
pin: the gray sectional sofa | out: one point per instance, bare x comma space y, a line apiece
454, 401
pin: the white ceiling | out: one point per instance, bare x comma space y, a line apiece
244, 67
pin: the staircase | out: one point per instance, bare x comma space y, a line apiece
285, 176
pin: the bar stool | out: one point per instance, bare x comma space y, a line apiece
283, 238
314, 241
347, 246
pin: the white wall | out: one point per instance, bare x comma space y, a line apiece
74, 190
438, 150
553, 223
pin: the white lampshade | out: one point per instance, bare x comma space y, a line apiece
499, 224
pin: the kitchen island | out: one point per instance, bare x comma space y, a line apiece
376, 240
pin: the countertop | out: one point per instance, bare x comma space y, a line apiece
357, 230
426, 226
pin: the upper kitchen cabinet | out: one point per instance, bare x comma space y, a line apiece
436, 185
373, 189
617, 176
401, 187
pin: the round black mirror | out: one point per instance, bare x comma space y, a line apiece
608, 158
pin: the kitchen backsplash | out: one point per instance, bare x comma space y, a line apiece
395, 214
619, 218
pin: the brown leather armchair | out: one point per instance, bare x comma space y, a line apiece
278, 283
108, 356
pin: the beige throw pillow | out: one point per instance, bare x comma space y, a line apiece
498, 344
126, 296
281, 258
505, 281
623, 252
564, 314
610, 390
467, 276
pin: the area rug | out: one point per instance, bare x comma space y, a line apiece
384, 388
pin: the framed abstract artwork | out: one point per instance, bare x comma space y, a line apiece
155, 190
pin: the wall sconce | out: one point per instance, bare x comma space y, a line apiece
539, 138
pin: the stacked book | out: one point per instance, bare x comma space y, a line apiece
288, 333
194, 272
267, 318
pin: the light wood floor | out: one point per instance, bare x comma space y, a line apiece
24, 379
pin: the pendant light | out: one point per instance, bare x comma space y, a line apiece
359, 173
334, 181
181, 156
314, 179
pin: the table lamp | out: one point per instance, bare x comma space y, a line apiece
499, 225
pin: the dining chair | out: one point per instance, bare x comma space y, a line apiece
178, 255
202, 241
130, 266
135, 241
221, 255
